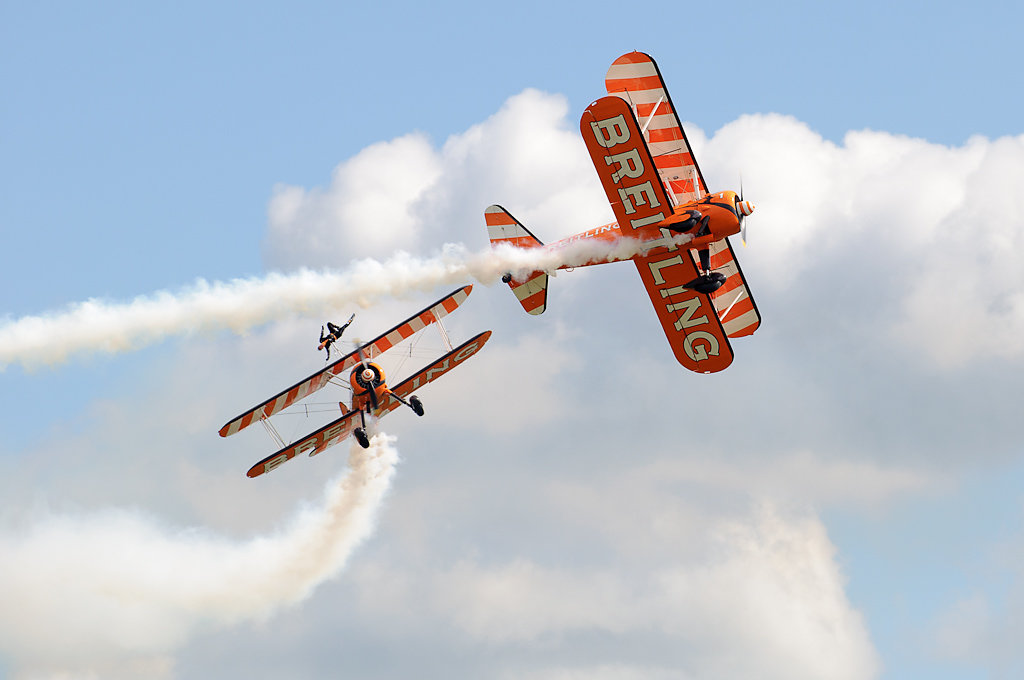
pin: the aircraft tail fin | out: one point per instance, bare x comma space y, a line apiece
502, 228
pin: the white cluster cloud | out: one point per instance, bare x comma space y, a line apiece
410, 195
115, 593
368, 208
758, 594
937, 229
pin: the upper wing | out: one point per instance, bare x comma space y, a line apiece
380, 344
437, 369
735, 305
635, 78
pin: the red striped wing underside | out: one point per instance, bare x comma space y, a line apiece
636, 79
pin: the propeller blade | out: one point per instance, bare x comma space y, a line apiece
743, 218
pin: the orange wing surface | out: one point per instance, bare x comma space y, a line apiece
735, 306
688, 318
338, 430
627, 171
382, 343
636, 79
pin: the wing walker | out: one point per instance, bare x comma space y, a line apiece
372, 397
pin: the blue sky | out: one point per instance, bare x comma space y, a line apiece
143, 148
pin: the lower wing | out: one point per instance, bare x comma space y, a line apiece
688, 318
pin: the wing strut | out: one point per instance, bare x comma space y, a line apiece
732, 304
272, 431
444, 335
643, 130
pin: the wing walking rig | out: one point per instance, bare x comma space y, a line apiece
659, 197
372, 397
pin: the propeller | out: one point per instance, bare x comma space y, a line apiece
368, 377
372, 388
743, 210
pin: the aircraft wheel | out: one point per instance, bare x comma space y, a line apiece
360, 435
417, 405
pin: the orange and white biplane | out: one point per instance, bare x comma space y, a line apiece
659, 198
372, 398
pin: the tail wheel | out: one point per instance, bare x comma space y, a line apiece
360, 435
416, 404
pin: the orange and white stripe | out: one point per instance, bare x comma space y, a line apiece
733, 303
503, 228
635, 78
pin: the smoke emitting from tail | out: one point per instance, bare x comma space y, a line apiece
153, 589
245, 303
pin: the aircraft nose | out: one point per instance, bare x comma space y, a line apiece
745, 208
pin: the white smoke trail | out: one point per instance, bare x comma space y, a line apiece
244, 303
96, 594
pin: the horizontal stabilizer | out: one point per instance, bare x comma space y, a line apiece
532, 291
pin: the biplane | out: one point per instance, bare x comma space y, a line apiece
372, 397
658, 195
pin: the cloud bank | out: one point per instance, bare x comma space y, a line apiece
879, 245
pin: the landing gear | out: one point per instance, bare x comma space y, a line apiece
708, 281
416, 405
360, 435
